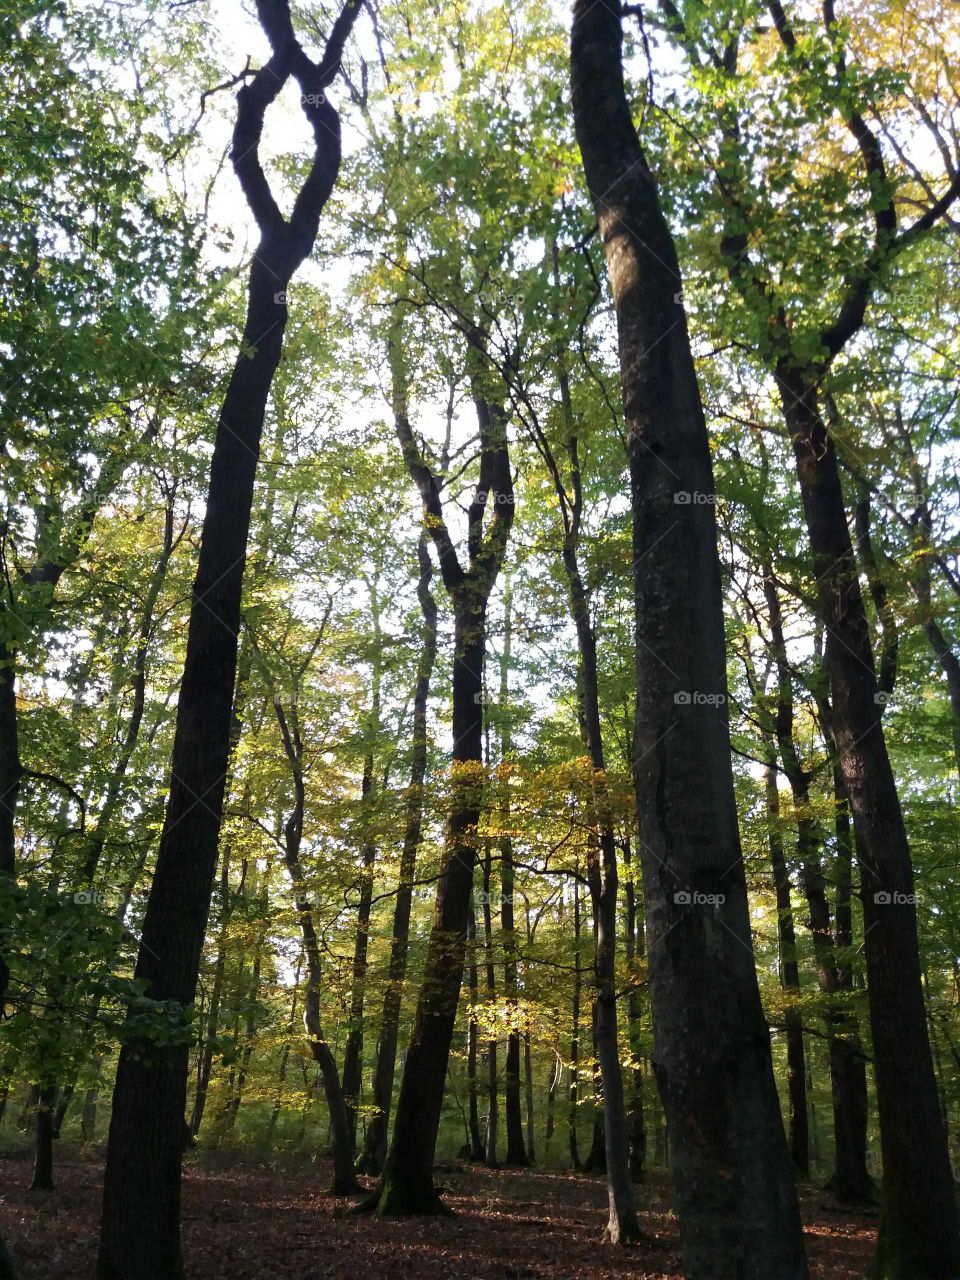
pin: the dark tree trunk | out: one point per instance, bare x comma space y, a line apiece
611, 1138
353, 1051
919, 1231
596, 1161
375, 1146
140, 1233
407, 1181
513, 1110
734, 1185
473, 1037
406, 1185
556, 1075
43, 1158
799, 1133
493, 1100
528, 1095
574, 1094
851, 1182
11, 771
634, 950
216, 995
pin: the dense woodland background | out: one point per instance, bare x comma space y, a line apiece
452, 333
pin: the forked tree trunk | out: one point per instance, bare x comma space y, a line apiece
734, 1185
140, 1233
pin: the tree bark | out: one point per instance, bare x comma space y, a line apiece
734, 1187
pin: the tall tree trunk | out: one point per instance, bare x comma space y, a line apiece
205, 1066
493, 1099
734, 1186
353, 1050
851, 1182
919, 1232
799, 1132
285, 1054
140, 1232
573, 1096
528, 1095
513, 1113
406, 1185
473, 1035
375, 1146
634, 950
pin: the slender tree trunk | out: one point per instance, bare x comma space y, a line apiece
493, 1100
216, 995
285, 1055
919, 1232
799, 1134
636, 1125
375, 1146
353, 1050
556, 1075
406, 1185
528, 1095
473, 1035
516, 1156
140, 1233
734, 1186
574, 1094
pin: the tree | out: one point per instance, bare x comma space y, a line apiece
142, 1183
735, 1195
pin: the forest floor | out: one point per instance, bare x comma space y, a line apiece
245, 1220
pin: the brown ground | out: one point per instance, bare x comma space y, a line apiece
272, 1221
